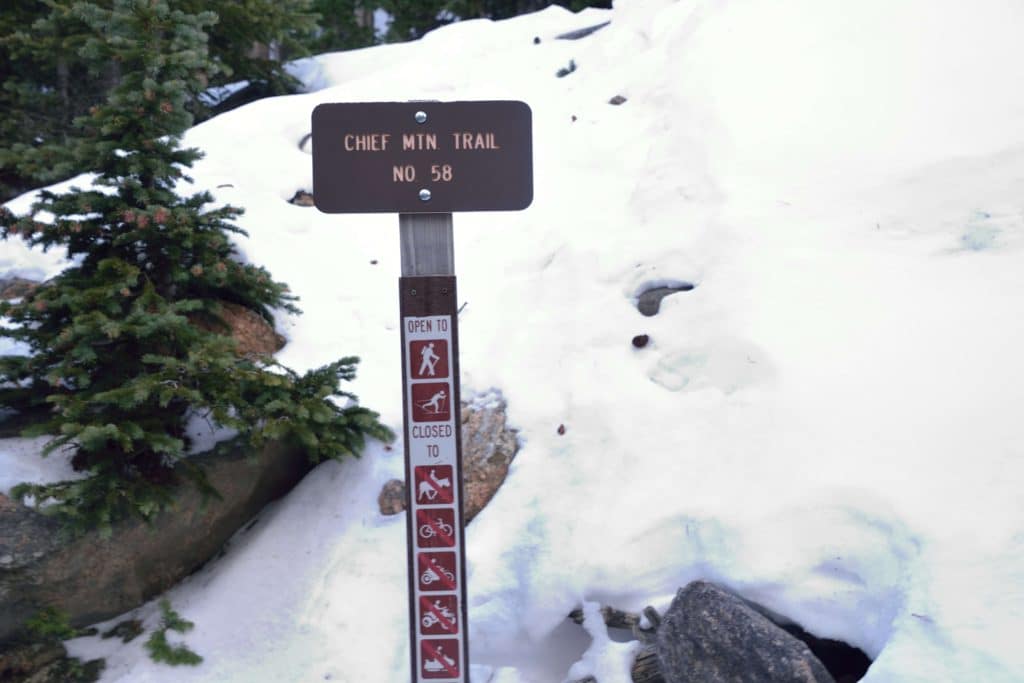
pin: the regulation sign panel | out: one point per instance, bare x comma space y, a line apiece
437, 586
422, 157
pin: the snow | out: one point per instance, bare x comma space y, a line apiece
828, 423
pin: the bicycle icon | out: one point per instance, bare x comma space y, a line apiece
436, 527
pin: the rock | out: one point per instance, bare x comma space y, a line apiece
488, 447
613, 618
92, 578
617, 100
711, 636
251, 332
646, 668
16, 287
127, 630
566, 70
69, 670
648, 302
302, 198
25, 659
582, 32
392, 497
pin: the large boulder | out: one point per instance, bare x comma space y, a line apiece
488, 447
253, 335
92, 578
711, 636
16, 287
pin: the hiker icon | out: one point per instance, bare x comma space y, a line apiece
428, 359
428, 363
431, 402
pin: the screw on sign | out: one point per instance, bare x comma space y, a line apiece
424, 160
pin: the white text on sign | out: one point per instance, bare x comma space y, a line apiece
440, 172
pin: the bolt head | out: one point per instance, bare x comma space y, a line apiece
421, 117
424, 195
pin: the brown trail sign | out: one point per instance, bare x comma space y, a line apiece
422, 157
424, 160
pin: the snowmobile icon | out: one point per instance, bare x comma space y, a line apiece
433, 665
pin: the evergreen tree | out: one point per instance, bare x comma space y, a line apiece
342, 25
251, 41
45, 85
121, 356
411, 19
46, 82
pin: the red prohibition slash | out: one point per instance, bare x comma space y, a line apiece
434, 485
435, 528
440, 658
436, 572
439, 615
428, 359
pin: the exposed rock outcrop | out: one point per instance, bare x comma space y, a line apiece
488, 447
91, 578
251, 332
710, 636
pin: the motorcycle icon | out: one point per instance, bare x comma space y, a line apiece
430, 576
429, 619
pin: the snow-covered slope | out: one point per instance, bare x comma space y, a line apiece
828, 423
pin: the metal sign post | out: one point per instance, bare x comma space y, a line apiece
425, 160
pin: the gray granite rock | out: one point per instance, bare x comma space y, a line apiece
488, 447
92, 578
711, 636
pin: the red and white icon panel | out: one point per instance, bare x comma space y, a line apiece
435, 572
439, 615
435, 527
428, 359
431, 402
439, 658
434, 485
